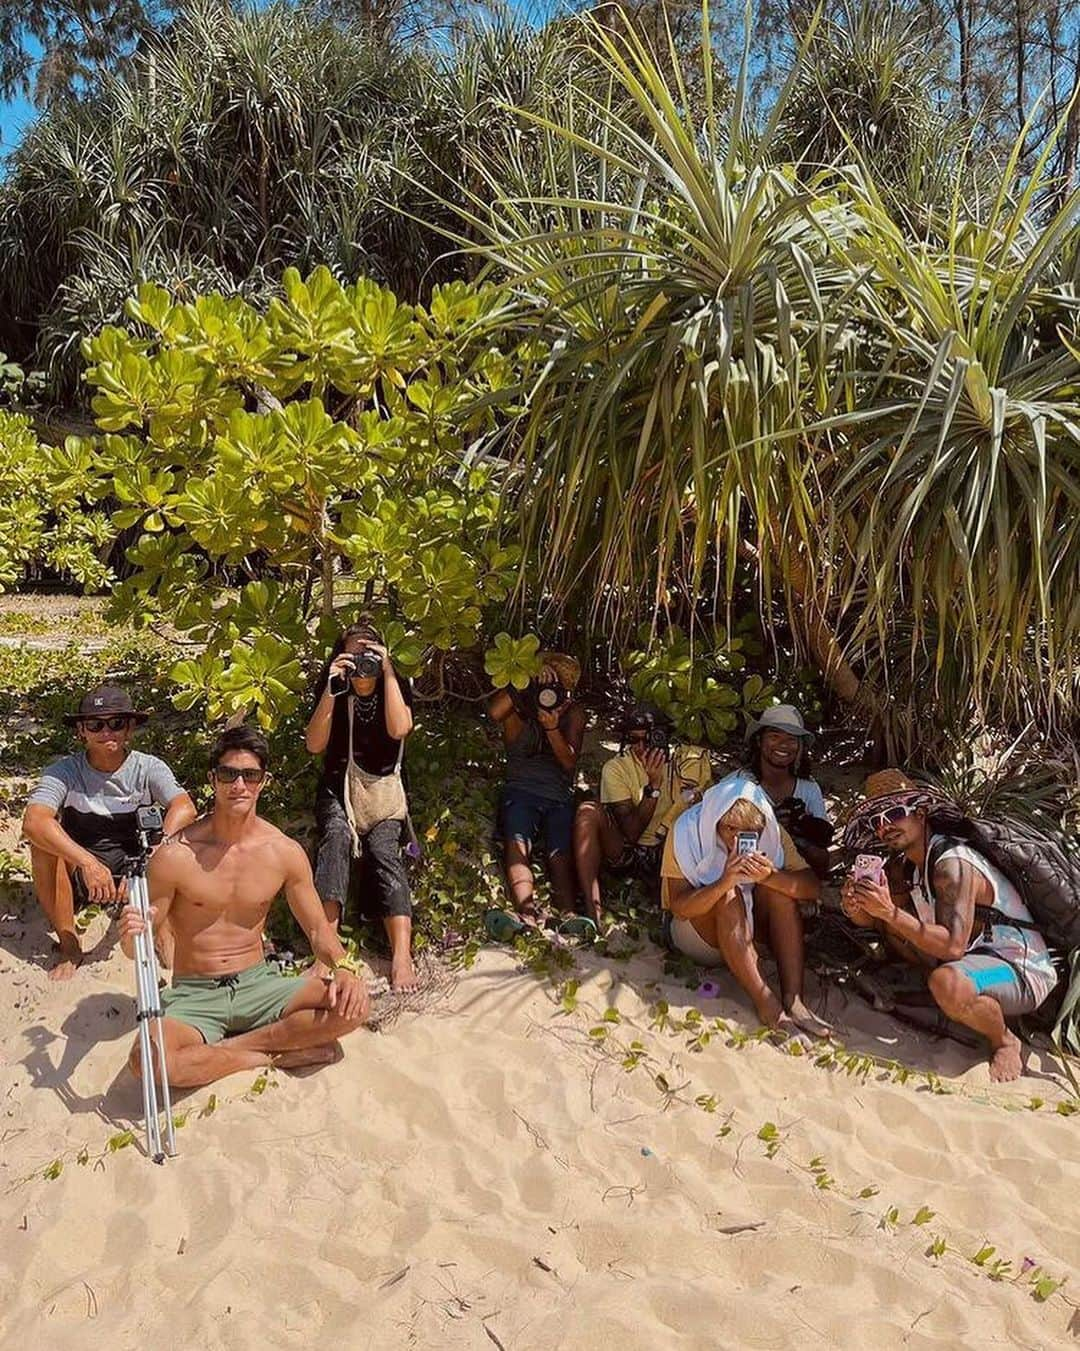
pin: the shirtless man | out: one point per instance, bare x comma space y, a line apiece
227, 1009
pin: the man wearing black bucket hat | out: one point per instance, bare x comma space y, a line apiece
80, 819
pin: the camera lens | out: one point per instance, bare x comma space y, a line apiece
547, 696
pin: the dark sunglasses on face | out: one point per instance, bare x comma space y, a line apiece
117, 724
230, 773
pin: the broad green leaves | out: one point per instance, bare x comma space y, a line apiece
267, 460
513, 661
44, 491
685, 681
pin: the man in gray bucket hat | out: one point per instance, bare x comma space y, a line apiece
80, 819
778, 757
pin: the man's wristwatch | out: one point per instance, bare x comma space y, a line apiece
650, 791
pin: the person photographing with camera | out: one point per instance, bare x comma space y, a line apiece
360, 719
80, 820
542, 728
643, 790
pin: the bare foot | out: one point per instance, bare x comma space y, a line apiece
1005, 1063
71, 955
311, 1055
787, 1032
403, 978
807, 1020
783, 1028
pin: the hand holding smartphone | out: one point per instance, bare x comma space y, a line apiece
746, 842
870, 868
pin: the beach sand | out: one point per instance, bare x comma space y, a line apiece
488, 1174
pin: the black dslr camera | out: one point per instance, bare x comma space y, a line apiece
541, 697
362, 665
365, 664
658, 739
801, 826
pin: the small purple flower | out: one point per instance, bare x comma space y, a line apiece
1026, 1266
708, 989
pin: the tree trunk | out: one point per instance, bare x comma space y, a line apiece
963, 35
1072, 134
1021, 46
327, 566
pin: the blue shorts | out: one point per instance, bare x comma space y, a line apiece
523, 816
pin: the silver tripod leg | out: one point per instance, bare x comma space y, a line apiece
151, 1031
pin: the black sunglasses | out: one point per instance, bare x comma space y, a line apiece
116, 724
230, 773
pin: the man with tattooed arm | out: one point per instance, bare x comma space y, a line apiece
966, 923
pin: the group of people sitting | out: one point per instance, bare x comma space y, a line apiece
731, 861
728, 863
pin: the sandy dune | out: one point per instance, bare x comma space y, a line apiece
490, 1175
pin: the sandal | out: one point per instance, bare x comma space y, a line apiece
581, 927
502, 926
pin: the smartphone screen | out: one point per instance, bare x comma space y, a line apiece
746, 842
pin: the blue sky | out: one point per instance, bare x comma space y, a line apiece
14, 119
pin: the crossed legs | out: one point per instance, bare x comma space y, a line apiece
303, 1035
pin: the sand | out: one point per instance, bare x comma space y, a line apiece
488, 1174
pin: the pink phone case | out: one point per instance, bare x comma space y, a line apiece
868, 866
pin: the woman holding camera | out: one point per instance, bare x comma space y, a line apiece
542, 729
361, 717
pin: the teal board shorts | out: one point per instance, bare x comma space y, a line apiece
223, 1006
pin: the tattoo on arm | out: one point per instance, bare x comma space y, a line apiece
957, 891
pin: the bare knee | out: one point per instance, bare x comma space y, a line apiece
952, 991
587, 823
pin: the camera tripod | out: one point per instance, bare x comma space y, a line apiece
148, 997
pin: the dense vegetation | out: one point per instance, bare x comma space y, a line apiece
782, 368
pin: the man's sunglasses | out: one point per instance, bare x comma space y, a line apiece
230, 773
887, 817
116, 724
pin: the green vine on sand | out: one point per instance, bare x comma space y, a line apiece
634, 1055
124, 1139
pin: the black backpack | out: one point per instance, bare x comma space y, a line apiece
1044, 869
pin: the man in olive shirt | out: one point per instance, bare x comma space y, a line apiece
643, 790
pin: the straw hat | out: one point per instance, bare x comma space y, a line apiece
882, 790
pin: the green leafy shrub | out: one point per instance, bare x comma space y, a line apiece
274, 467
700, 685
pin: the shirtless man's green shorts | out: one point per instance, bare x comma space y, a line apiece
222, 1006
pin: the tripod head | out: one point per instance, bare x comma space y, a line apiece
150, 827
